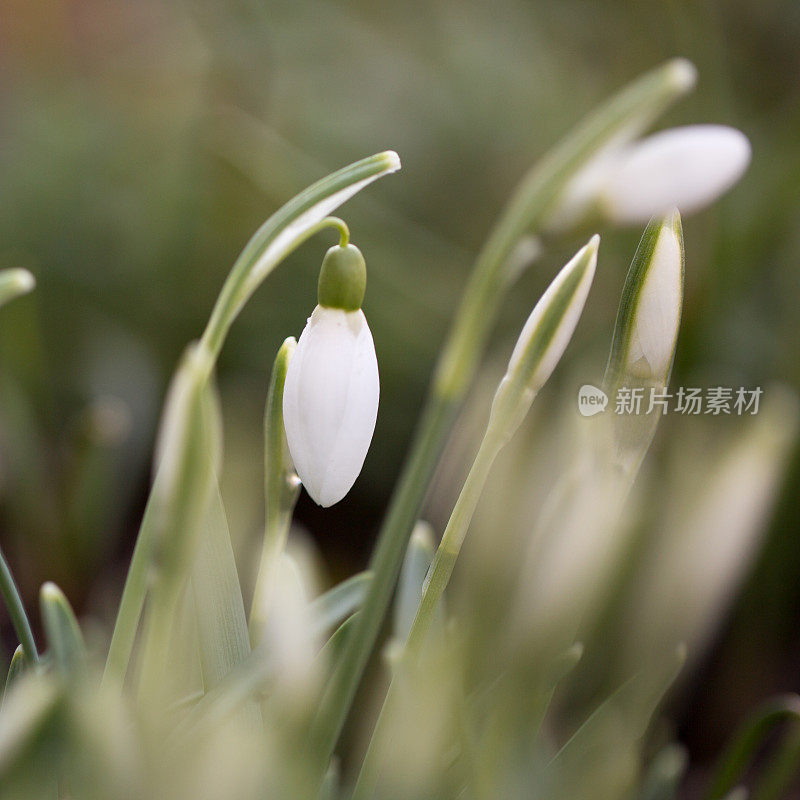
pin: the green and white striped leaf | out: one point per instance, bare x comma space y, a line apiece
63, 633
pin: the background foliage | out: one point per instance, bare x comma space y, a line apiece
142, 143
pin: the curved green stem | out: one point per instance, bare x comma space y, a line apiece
290, 226
19, 619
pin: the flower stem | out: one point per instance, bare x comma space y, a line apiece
441, 570
281, 490
302, 217
19, 619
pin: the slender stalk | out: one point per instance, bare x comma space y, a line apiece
385, 563
438, 577
19, 619
452, 540
628, 112
281, 488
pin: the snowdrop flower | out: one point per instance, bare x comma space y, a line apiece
330, 399
687, 167
647, 326
543, 339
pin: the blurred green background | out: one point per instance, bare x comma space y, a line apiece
141, 143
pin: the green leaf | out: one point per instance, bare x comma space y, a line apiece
419, 555
221, 620
15, 670
332, 649
186, 448
256, 671
16, 610
281, 489
781, 772
63, 633
30, 730
601, 758
341, 601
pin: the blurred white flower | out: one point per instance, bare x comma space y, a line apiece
330, 402
687, 167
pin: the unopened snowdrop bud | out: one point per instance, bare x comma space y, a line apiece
645, 336
649, 315
544, 338
687, 167
330, 399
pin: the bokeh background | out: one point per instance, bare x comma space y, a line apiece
141, 143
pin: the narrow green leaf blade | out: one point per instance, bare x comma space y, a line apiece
341, 601
221, 621
15, 670
63, 633
281, 490
30, 731
419, 555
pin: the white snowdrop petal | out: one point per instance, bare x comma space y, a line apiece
655, 325
331, 402
687, 167
583, 189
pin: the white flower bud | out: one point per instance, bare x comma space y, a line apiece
687, 167
630, 182
647, 331
330, 402
550, 326
543, 339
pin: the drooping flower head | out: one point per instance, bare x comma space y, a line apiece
330, 399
